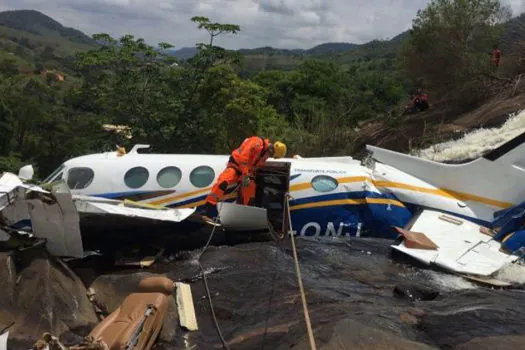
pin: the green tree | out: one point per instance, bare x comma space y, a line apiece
237, 109
126, 81
207, 56
200, 106
451, 40
8, 68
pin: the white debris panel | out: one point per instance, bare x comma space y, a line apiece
55, 216
236, 217
9, 184
461, 246
93, 207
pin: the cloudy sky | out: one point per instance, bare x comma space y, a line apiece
277, 23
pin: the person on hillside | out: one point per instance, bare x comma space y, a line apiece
419, 102
241, 169
496, 57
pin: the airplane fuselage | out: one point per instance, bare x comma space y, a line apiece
330, 196
333, 196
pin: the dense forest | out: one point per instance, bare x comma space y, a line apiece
59, 89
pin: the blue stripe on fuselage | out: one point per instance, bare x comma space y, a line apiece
342, 219
343, 195
293, 177
121, 194
349, 219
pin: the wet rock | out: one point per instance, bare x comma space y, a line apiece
257, 302
511, 342
7, 292
474, 314
408, 318
350, 334
170, 330
259, 306
47, 297
8, 278
415, 292
350, 300
414, 311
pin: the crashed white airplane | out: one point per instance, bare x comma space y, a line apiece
330, 196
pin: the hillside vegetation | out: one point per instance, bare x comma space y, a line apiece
34, 39
318, 101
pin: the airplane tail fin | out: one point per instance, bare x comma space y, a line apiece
509, 152
494, 181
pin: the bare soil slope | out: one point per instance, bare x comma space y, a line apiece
438, 124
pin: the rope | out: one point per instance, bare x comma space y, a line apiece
217, 327
299, 280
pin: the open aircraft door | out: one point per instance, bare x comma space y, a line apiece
270, 212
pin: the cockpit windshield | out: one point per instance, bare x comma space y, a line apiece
55, 175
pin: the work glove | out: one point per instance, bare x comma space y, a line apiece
245, 181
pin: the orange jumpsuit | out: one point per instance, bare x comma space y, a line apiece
244, 161
496, 56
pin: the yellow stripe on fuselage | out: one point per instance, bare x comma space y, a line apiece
347, 202
446, 193
442, 192
180, 196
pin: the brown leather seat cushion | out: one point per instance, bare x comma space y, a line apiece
119, 327
157, 285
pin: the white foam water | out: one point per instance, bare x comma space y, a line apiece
512, 273
450, 282
473, 144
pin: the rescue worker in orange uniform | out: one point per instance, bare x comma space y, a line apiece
240, 170
496, 56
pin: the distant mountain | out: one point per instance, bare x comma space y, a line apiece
37, 23
319, 50
343, 53
328, 48
513, 34
36, 40
183, 53
271, 51
270, 58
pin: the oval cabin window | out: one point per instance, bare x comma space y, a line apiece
202, 176
323, 183
169, 177
80, 178
136, 177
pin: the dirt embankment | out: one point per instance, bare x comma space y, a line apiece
440, 123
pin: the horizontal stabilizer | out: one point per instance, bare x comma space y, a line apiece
462, 247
